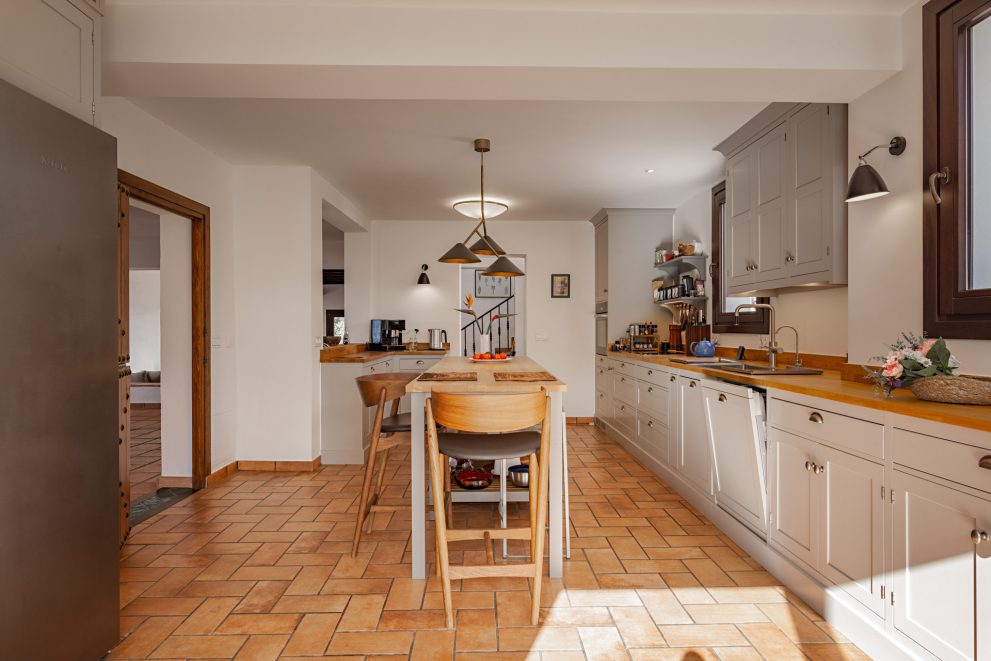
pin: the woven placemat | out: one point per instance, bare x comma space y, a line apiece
524, 376
448, 376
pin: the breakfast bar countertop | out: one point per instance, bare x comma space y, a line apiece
356, 353
486, 381
829, 385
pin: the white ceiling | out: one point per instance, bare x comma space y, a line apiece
410, 160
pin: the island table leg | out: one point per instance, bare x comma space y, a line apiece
555, 510
418, 487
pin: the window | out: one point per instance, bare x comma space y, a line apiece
723, 307
335, 322
957, 157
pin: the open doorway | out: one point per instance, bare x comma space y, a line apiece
502, 296
163, 300
333, 284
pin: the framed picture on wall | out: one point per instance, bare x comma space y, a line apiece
560, 285
492, 286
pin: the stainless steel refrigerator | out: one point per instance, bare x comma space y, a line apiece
59, 493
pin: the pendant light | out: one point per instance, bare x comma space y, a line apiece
460, 253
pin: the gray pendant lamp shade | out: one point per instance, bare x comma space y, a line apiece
459, 254
503, 267
865, 184
487, 246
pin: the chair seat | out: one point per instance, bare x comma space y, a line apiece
489, 446
397, 423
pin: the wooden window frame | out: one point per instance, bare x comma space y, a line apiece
949, 310
758, 322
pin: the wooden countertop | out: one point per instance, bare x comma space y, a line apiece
340, 354
828, 385
486, 381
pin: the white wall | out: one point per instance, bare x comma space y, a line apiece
820, 316
150, 149
398, 248
358, 284
145, 320
886, 233
177, 346
277, 260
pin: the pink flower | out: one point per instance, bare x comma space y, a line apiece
892, 370
926, 346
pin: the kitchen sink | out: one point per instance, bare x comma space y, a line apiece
764, 370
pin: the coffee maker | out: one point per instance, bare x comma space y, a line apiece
386, 335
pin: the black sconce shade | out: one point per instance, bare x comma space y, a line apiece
423, 279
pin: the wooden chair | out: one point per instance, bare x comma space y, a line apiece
379, 390
491, 427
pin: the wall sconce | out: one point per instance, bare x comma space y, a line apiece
866, 182
423, 279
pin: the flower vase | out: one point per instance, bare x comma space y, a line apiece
484, 343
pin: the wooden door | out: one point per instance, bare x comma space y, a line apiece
123, 361
694, 444
738, 473
794, 515
769, 227
935, 568
851, 512
809, 225
602, 262
739, 220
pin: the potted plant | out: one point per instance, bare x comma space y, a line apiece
927, 367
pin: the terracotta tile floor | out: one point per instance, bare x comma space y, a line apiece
145, 452
258, 568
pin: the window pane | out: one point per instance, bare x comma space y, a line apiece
979, 235
730, 302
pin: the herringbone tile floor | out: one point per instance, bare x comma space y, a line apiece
258, 568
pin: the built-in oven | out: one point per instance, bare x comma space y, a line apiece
601, 329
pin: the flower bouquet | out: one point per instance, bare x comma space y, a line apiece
927, 367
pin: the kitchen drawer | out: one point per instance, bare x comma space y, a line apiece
943, 458
625, 389
823, 425
627, 368
380, 366
417, 363
625, 419
601, 361
654, 375
603, 405
653, 400
653, 436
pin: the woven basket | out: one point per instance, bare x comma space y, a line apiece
954, 389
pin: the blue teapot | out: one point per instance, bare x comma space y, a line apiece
703, 349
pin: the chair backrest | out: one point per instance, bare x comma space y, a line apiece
489, 413
393, 383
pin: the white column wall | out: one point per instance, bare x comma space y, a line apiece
177, 345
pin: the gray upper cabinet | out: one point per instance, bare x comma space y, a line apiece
602, 262
785, 179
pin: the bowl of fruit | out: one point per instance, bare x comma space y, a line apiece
491, 358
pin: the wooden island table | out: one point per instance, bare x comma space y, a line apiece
486, 384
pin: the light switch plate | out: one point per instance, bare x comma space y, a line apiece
540, 337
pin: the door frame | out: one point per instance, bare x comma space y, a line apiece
132, 186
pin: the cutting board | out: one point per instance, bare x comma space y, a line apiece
448, 376
524, 376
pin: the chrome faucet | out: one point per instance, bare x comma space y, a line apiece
772, 350
798, 358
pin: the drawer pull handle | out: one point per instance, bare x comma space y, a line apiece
978, 536
722, 397
691, 384
419, 362
985, 462
816, 417
809, 466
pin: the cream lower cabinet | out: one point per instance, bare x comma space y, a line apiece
691, 442
827, 512
941, 578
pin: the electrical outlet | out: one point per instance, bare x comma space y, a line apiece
540, 337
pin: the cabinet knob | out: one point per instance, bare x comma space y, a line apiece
622, 378
978, 536
789, 257
672, 379
809, 466
818, 469
722, 397
419, 362
650, 390
650, 423
816, 417
985, 462
622, 408
650, 372
691, 384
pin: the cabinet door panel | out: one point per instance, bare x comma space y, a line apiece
601, 262
738, 223
768, 249
934, 566
694, 451
794, 520
809, 228
852, 531
738, 472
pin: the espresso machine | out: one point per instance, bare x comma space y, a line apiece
386, 335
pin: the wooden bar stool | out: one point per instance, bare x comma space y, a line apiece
491, 427
379, 390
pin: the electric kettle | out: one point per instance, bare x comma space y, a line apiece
436, 343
